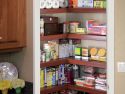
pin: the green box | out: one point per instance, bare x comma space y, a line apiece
78, 51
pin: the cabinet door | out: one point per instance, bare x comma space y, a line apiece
12, 24
8, 20
3, 20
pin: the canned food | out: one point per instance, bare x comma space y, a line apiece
43, 56
66, 27
74, 26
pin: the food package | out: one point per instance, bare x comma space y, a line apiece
48, 4
101, 81
80, 3
100, 87
89, 69
42, 78
98, 30
79, 81
94, 27
75, 3
42, 4
77, 52
80, 30
55, 3
85, 82
98, 54
49, 77
73, 26
102, 54
70, 2
64, 50
102, 76
99, 3
85, 54
63, 3
87, 3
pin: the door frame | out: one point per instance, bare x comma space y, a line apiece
110, 47
36, 46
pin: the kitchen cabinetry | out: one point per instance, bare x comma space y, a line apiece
12, 24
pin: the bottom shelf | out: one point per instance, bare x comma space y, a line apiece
88, 90
51, 89
70, 87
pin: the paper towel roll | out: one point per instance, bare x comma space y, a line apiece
66, 3
62, 3
55, 3
42, 4
80, 3
48, 4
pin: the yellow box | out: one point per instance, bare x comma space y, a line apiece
42, 78
80, 30
98, 4
49, 79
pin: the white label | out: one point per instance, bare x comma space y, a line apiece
121, 66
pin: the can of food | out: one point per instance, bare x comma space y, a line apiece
43, 56
66, 27
73, 26
42, 27
47, 52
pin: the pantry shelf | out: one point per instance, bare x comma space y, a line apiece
88, 90
58, 88
74, 36
73, 61
73, 10
53, 63
86, 10
87, 63
53, 37
52, 89
48, 11
87, 37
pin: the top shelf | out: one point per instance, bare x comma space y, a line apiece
74, 36
73, 10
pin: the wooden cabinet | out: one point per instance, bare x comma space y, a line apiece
12, 24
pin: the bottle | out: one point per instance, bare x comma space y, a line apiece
47, 52
42, 26
75, 71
